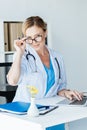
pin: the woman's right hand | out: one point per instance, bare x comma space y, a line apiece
20, 45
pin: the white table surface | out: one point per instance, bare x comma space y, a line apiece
62, 114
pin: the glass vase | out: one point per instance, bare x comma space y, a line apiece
33, 110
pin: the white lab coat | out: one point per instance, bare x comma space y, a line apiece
39, 78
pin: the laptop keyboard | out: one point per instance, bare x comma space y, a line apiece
82, 102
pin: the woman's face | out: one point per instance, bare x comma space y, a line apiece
36, 37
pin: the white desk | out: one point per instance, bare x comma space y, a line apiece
60, 115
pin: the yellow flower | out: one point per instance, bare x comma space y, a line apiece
33, 90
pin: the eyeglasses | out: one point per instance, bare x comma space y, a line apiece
38, 38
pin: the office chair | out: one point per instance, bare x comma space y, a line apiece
9, 95
9, 91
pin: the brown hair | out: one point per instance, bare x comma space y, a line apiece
31, 21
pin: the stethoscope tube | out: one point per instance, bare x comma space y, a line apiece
27, 57
29, 54
58, 67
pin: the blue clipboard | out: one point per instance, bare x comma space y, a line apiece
18, 107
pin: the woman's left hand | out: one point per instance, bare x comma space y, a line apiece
71, 94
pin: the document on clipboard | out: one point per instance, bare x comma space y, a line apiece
74, 102
51, 108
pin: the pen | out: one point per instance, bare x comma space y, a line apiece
43, 113
43, 108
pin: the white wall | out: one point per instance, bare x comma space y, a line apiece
69, 36
67, 21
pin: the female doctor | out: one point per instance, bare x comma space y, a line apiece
36, 64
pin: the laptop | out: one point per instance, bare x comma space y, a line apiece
74, 102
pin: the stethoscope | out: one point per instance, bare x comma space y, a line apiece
58, 67
28, 54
